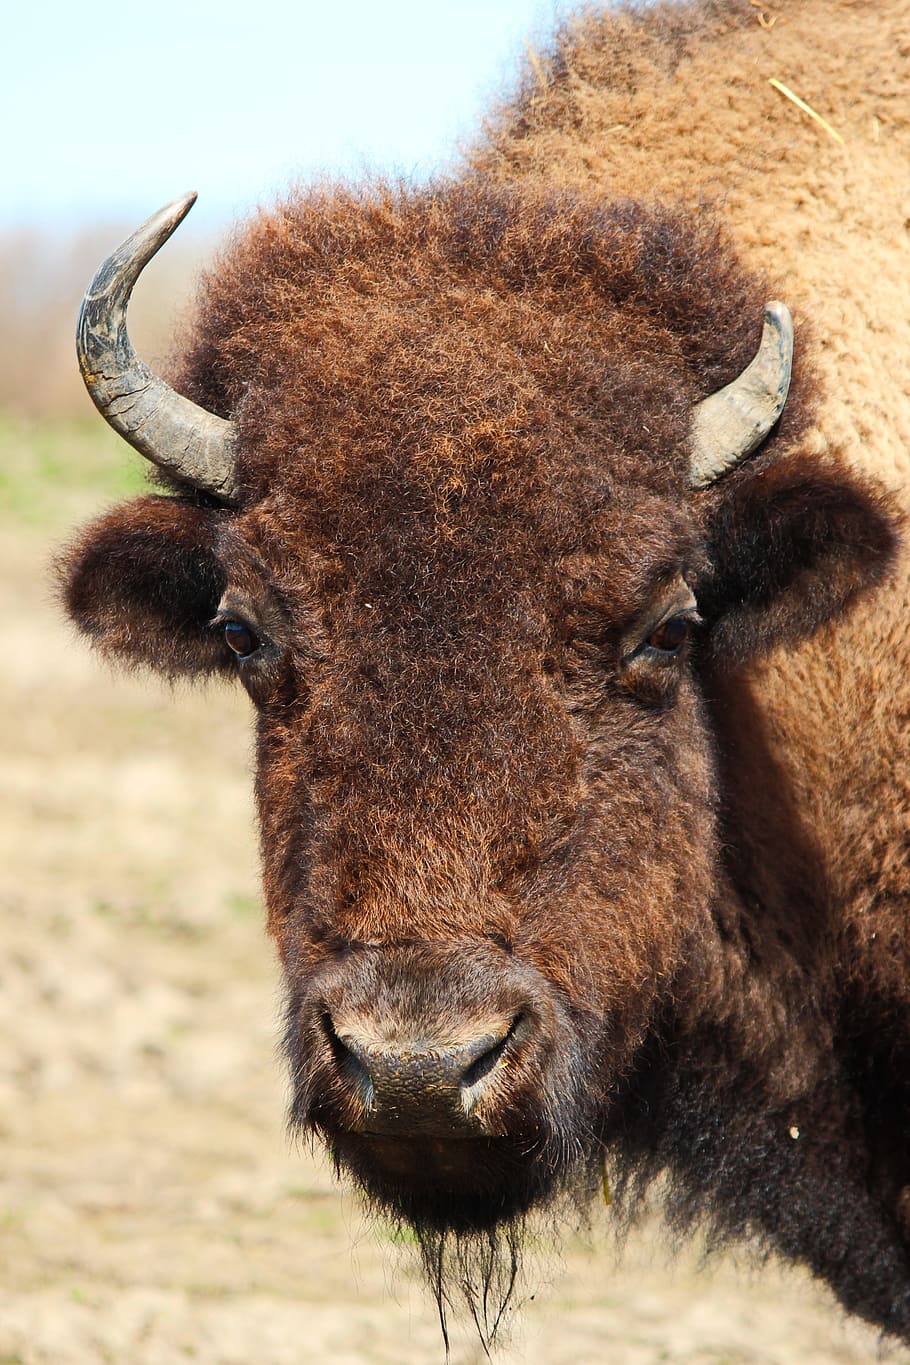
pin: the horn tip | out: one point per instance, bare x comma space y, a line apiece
175, 212
778, 315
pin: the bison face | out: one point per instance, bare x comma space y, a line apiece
459, 560
486, 818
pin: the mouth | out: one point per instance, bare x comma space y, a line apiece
462, 1185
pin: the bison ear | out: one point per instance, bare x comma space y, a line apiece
790, 546
144, 581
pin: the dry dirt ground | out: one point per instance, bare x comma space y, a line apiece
152, 1209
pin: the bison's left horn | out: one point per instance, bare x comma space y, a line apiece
728, 425
165, 427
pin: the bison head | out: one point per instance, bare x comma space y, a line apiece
461, 497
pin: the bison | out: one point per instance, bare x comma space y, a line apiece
564, 572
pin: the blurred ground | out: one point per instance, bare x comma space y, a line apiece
151, 1208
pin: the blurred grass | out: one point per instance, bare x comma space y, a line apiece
56, 470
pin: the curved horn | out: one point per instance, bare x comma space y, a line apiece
165, 427
728, 425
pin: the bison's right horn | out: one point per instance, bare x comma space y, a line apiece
165, 427
728, 425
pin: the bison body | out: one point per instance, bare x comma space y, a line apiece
583, 782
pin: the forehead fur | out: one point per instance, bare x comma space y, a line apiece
468, 337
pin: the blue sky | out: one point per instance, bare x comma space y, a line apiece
110, 108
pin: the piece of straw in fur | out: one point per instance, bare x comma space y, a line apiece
766, 20
806, 108
536, 65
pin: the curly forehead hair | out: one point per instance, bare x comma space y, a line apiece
351, 316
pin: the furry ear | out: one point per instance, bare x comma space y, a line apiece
144, 581
790, 546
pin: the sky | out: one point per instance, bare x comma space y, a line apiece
110, 108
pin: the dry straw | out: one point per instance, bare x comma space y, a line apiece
806, 108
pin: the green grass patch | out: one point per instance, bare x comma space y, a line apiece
243, 905
399, 1234
54, 471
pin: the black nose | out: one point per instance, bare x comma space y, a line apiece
420, 1084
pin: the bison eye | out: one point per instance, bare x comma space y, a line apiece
239, 638
670, 637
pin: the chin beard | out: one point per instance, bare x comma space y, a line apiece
475, 1233
472, 1261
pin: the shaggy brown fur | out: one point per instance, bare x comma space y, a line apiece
485, 793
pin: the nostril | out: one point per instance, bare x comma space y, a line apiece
339, 1051
347, 1063
485, 1063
